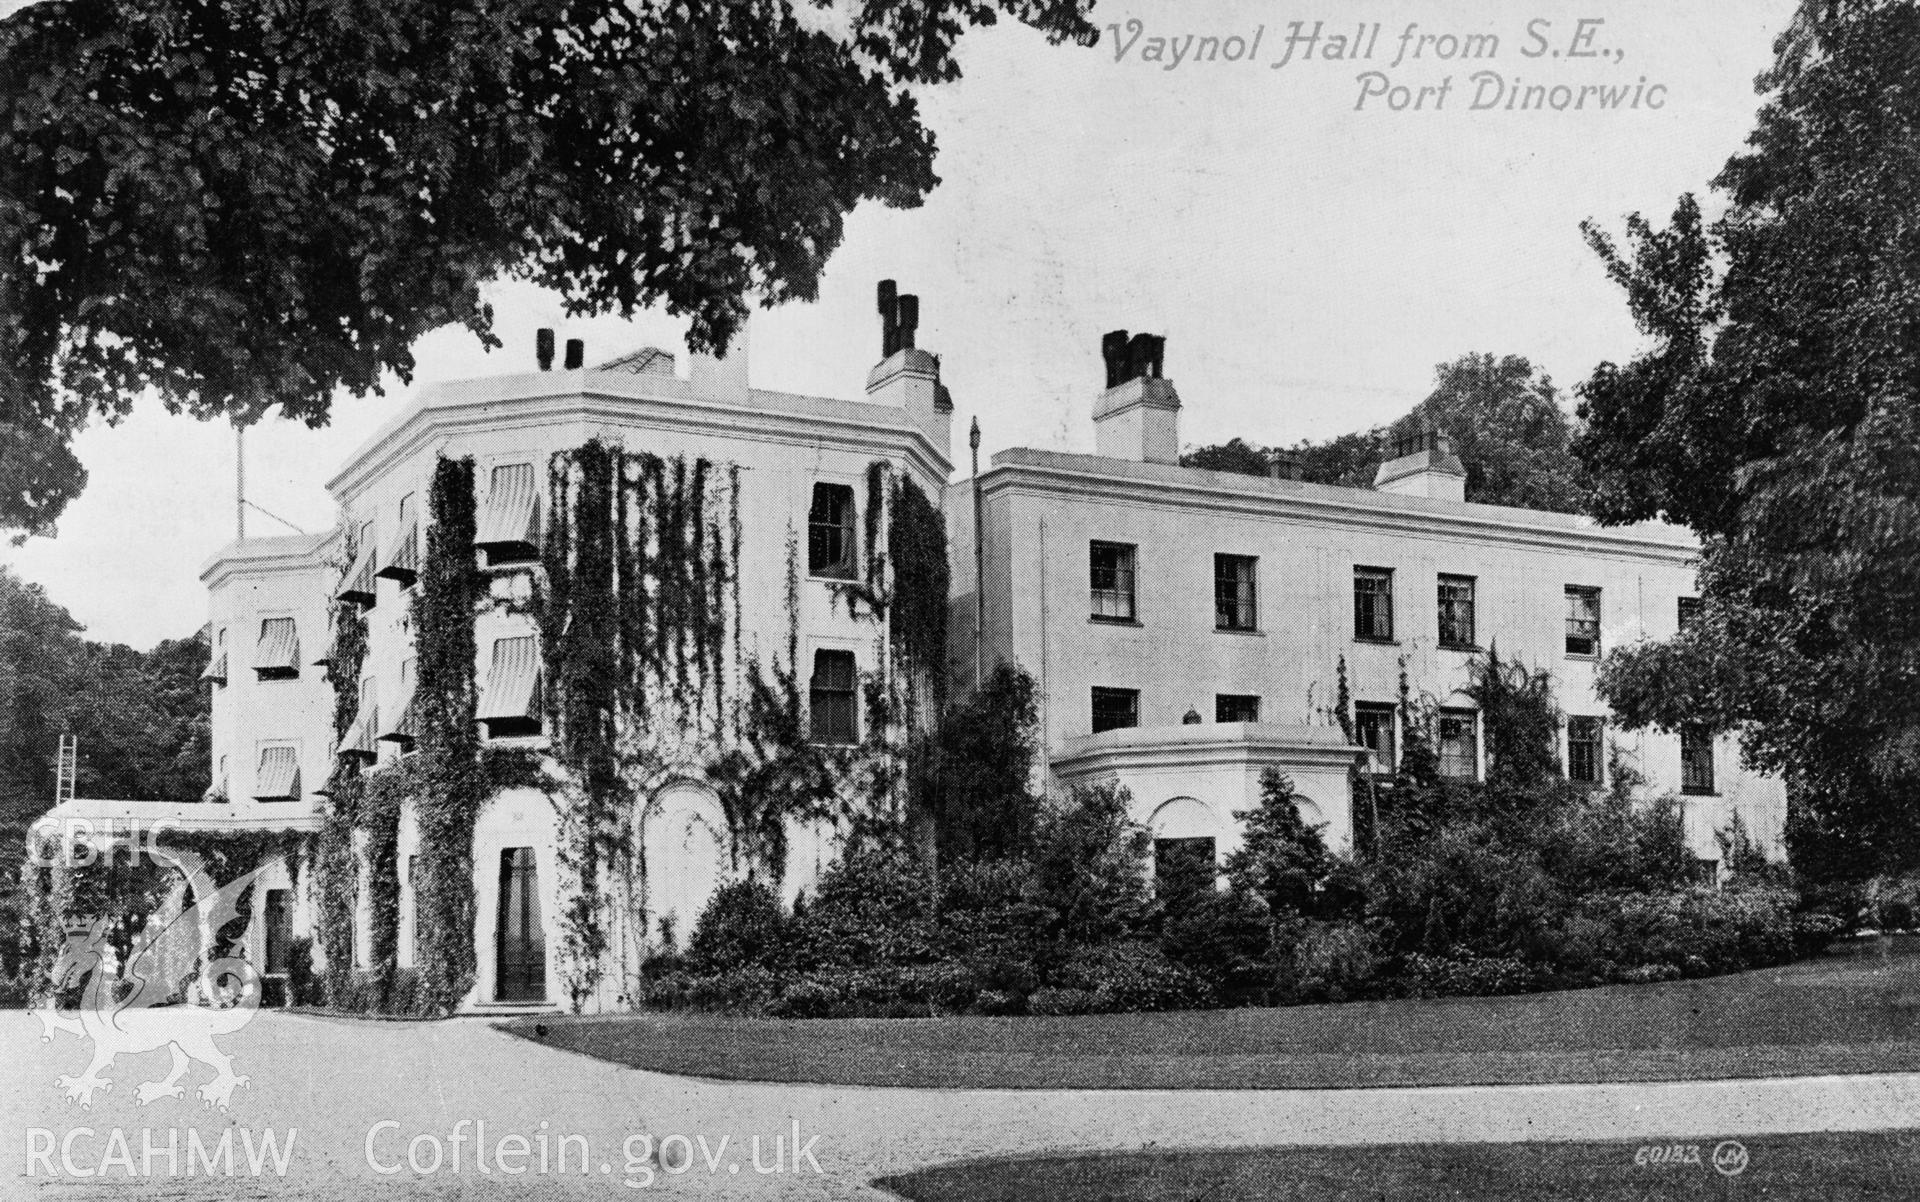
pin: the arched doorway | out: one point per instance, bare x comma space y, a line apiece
684, 839
1186, 847
520, 946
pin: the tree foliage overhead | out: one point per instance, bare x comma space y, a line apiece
1777, 412
242, 204
1503, 415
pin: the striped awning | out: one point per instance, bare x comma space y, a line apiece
512, 681
403, 558
279, 647
358, 585
357, 743
511, 518
278, 778
400, 728
216, 670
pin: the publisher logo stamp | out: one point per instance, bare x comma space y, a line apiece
1730, 1158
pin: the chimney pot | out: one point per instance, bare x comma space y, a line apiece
543, 348
576, 354
1113, 350
908, 321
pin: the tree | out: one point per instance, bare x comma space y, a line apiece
986, 809
1777, 413
242, 205
1503, 415
1281, 859
1505, 420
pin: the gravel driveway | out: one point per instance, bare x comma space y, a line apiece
355, 1091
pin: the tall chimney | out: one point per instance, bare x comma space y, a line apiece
1138, 416
906, 376
543, 348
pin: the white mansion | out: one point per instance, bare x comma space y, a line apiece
1186, 628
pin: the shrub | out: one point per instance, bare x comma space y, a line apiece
1699, 931
1315, 961
874, 906
1053, 1001
1131, 977
746, 988
303, 986
742, 924
1221, 937
1090, 861
1000, 1002
1469, 976
950, 987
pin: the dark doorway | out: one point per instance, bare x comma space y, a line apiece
520, 961
1183, 868
278, 922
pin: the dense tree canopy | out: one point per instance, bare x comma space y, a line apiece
140, 716
1777, 412
1503, 415
247, 203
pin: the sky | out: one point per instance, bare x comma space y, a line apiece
1312, 234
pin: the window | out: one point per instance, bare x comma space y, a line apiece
1583, 750
1236, 707
1373, 604
1183, 867
413, 893
1696, 760
1583, 620
1689, 611
1110, 569
510, 704
1459, 756
277, 656
830, 532
1374, 724
508, 529
277, 776
217, 663
830, 698
1233, 593
402, 563
1115, 709
1456, 611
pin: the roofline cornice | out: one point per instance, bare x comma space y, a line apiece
429, 424
1053, 480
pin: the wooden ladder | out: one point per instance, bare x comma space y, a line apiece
68, 768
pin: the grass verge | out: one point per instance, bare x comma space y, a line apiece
1855, 1011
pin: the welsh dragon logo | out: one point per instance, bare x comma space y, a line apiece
143, 1020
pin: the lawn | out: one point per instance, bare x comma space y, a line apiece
1827, 1166
1850, 1011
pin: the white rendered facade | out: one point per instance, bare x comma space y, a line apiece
1055, 525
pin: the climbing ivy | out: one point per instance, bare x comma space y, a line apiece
452, 784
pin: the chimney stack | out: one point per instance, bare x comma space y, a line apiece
576, 354
899, 319
1138, 416
543, 348
906, 376
1423, 465
1284, 465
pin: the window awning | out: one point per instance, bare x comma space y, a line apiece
279, 776
357, 743
216, 670
403, 560
512, 681
279, 648
358, 586
511, 518
401, 728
